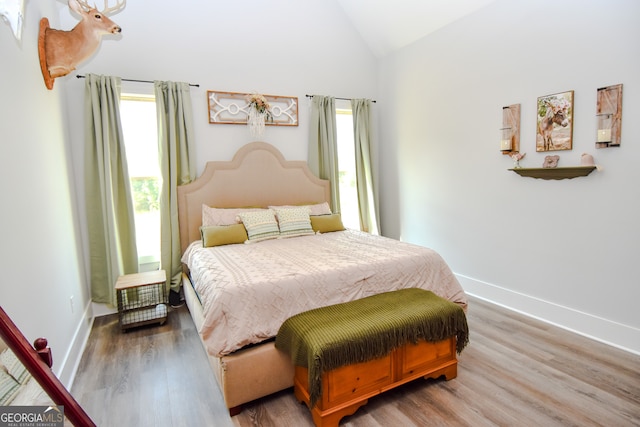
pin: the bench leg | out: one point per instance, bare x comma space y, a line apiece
332, 418
449, 372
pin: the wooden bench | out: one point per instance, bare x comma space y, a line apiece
345, 388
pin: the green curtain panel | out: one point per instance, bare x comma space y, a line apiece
175, 138
323, 144
367, 200
110, 218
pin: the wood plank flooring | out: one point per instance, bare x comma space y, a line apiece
516, 371
152, 376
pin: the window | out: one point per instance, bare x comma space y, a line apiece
138, 117
347, 168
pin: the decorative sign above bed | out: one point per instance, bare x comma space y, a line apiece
233, 108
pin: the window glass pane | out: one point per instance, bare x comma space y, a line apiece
138, 116
347, 169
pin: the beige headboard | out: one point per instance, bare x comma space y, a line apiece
257, 176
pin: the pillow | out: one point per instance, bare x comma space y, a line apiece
294, 221
14, 366
31, 394
260, 225
8, 388
327, 223
222, 216
218, 235
317, 209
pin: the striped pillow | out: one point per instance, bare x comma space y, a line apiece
8, 388
260, 225
14, 366
294, 221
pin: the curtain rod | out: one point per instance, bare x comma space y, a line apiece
139, 81
344, 99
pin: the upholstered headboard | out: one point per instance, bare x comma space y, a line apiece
257, 176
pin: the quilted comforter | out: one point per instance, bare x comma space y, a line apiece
248, 290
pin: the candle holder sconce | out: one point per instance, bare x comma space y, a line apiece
510, 139
609, 116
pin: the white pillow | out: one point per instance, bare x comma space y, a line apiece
317, 209
222, 216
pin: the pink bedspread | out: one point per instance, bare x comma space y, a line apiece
248, 290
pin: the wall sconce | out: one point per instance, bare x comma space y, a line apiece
510, 139
507, 139
604, 127
609, 115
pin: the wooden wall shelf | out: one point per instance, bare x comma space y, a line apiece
555, 173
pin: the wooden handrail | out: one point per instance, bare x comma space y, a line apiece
41, 372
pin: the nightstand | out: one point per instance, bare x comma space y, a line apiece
142, 298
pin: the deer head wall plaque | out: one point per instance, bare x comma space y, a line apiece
61, 51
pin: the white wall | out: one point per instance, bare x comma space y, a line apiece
565, 251
279, 47
39, 250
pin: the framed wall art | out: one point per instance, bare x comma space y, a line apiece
555, 122
234, 108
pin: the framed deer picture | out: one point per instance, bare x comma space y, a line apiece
555, 122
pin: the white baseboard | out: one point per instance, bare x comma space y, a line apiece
100, 309
67, 369
609, 332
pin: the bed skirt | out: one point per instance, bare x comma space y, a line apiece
247, 374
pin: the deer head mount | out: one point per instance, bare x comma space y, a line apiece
60, 51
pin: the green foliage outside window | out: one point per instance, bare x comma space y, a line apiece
145, 194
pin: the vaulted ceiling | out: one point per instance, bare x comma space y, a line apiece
389, 25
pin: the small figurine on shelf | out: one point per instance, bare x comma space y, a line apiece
516, 159
550, 162
587, 160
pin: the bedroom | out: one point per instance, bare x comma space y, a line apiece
442, 184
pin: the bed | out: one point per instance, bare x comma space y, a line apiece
237, 306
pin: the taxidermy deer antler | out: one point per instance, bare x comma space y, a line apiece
60, 51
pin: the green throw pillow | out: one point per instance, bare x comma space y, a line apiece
218, 235
326, 223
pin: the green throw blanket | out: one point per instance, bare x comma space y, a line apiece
369, 328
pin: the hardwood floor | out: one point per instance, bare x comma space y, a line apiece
515, 371
152, 376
